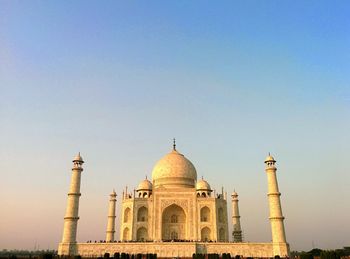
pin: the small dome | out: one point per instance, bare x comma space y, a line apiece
113, 193
202, 185
144, 185
269, 158
78, 158
174, 170
234, 194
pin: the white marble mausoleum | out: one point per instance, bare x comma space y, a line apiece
174, 215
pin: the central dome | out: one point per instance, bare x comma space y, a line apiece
174, 170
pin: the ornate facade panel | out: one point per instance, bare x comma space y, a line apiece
206, 217
127, 219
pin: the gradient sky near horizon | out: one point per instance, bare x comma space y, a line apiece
231, 80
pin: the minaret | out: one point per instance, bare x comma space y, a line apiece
276, 217
236, 222
71, 217
111, 218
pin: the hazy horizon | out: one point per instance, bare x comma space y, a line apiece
231, 81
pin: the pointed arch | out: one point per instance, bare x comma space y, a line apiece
205, 214
141, 234
205, 234
126, 234
127, 215
222, 235
173, 223
142, 214
221, 215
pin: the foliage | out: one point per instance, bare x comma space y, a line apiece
306, 255
8, 253
315, 252
329, 255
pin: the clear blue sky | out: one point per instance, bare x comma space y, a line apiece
231, 80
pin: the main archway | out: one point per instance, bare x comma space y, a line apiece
174, 223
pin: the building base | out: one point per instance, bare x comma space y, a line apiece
68, 249
176, 249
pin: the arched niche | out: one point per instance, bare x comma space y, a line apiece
205, 234
141, 234
126, 234
142, 214
205, 214
127, 215
221, 215
222, 235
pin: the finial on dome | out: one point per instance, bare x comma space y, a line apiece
146, 177
202, 177
174, 144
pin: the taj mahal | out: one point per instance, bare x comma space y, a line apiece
174, 215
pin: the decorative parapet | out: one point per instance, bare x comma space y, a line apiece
178, 249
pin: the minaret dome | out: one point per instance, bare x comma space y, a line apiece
78, 159
270, 159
